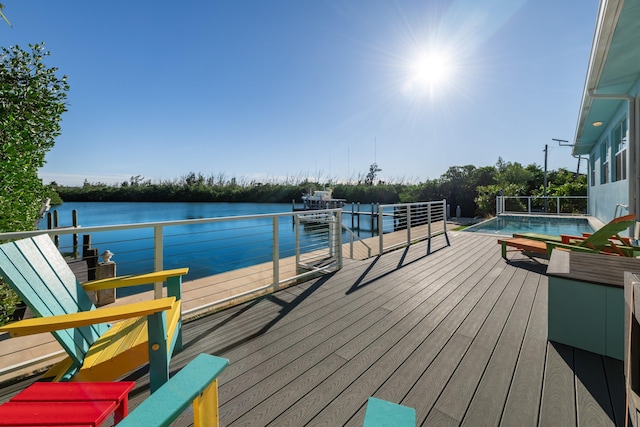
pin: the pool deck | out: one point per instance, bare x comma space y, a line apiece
459, 334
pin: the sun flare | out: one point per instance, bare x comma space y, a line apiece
430, 70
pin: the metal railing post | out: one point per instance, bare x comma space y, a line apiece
428, 228
276, 254
529, 205
429, 220
558, 203
158, 261
380, 230
296, 221
408, 224
338, 228
444, 205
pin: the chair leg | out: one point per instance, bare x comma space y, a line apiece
205, 407
158, 350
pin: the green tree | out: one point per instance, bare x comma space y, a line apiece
371, 176
32, 100
458, 185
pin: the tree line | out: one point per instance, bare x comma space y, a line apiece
470, 187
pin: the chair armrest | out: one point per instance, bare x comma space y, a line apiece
195, 384
567, 239
124, 281
67, 321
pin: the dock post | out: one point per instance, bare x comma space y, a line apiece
90, 256
106, 270
56, 238
74, 222
372, 211
352, 211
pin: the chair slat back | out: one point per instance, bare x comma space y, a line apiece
600, 238
36, 270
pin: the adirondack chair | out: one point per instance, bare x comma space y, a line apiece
148, 332
196, 385
605, 240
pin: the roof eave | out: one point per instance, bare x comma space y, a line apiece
606, 23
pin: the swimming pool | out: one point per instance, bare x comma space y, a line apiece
510, 224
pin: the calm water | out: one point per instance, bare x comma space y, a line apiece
508, 225
207, 252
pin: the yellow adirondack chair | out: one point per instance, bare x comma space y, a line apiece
147, 332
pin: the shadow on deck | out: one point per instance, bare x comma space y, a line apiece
460, 335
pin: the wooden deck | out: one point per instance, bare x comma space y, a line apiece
460, 335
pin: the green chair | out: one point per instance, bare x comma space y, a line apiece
601, 241
148, 332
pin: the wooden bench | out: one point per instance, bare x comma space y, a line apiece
380, 413
196, 383
55, 404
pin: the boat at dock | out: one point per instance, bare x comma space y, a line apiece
321, 199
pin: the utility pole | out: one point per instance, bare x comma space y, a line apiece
562, 143
546, 202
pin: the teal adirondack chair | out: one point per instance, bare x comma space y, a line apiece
147, 332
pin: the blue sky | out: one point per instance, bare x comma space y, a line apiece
264, 90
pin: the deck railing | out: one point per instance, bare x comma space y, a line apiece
421, 221
249, 254
554, 205
241, 257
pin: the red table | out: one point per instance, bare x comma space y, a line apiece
69, 404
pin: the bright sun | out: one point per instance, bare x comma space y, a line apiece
430, 70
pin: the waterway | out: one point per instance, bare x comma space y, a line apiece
132, 248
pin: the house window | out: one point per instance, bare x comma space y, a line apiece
604, 158
592, 164
620, 148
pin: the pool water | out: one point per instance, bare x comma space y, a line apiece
508, 225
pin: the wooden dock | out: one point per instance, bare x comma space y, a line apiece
460, 335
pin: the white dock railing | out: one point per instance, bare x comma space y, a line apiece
211, 246
421, 221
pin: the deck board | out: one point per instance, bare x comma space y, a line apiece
458, 334
523, 401
460, 389
593, 404
558, 394
489, 399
